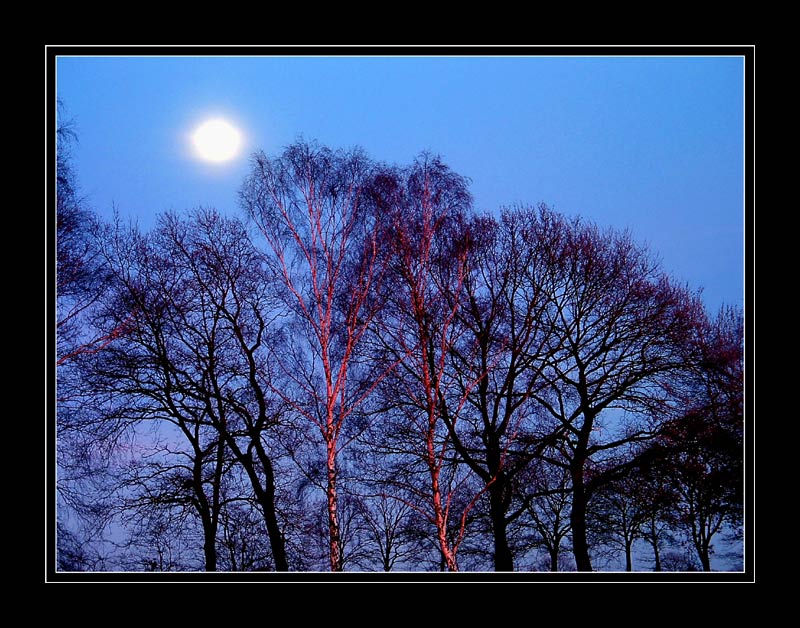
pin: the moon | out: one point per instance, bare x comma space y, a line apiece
217, 140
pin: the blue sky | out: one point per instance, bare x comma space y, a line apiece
654, 144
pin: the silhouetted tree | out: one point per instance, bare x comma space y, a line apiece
703, 449
659, 498
196, 357
242, 544
703, 485
80, 280
619, 513
387, 523
80, 273
547, 503
505, 345
621, 328
160, 541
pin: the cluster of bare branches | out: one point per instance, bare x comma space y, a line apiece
364, 373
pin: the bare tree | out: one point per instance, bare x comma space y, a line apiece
703, 484
312, 208
702, 450
387, 523
619, 514
160, 541
195, 360
80, 272
75, 553
547, 503
75, 260
242, 544
418, 329
622, 328
181, 484
505, 346
80, 282
658, 498
384, 380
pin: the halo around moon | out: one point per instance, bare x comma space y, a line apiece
216, 140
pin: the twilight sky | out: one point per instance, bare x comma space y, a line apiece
654, 143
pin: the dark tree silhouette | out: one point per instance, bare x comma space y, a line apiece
621, 328
619, 514
80, 273
703, 449
504, 347
242, 546
388, 525
545, 492
656, 499
80, 282
196, 357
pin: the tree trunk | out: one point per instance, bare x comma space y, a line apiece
503, 558
705, 558
656, 558
448, 558
333, 514
577, 517
266, 499
628, 558
701, 544
554, 558
207, 517
276, 542
264, 493
209, 535
211, 522
210, 547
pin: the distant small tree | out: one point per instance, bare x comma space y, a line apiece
658, 497
160, 541
702, 485
705, 446
547, 503
619, 515
679, 559
72, 553
242, 543
387, 523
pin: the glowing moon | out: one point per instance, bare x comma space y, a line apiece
216, 140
